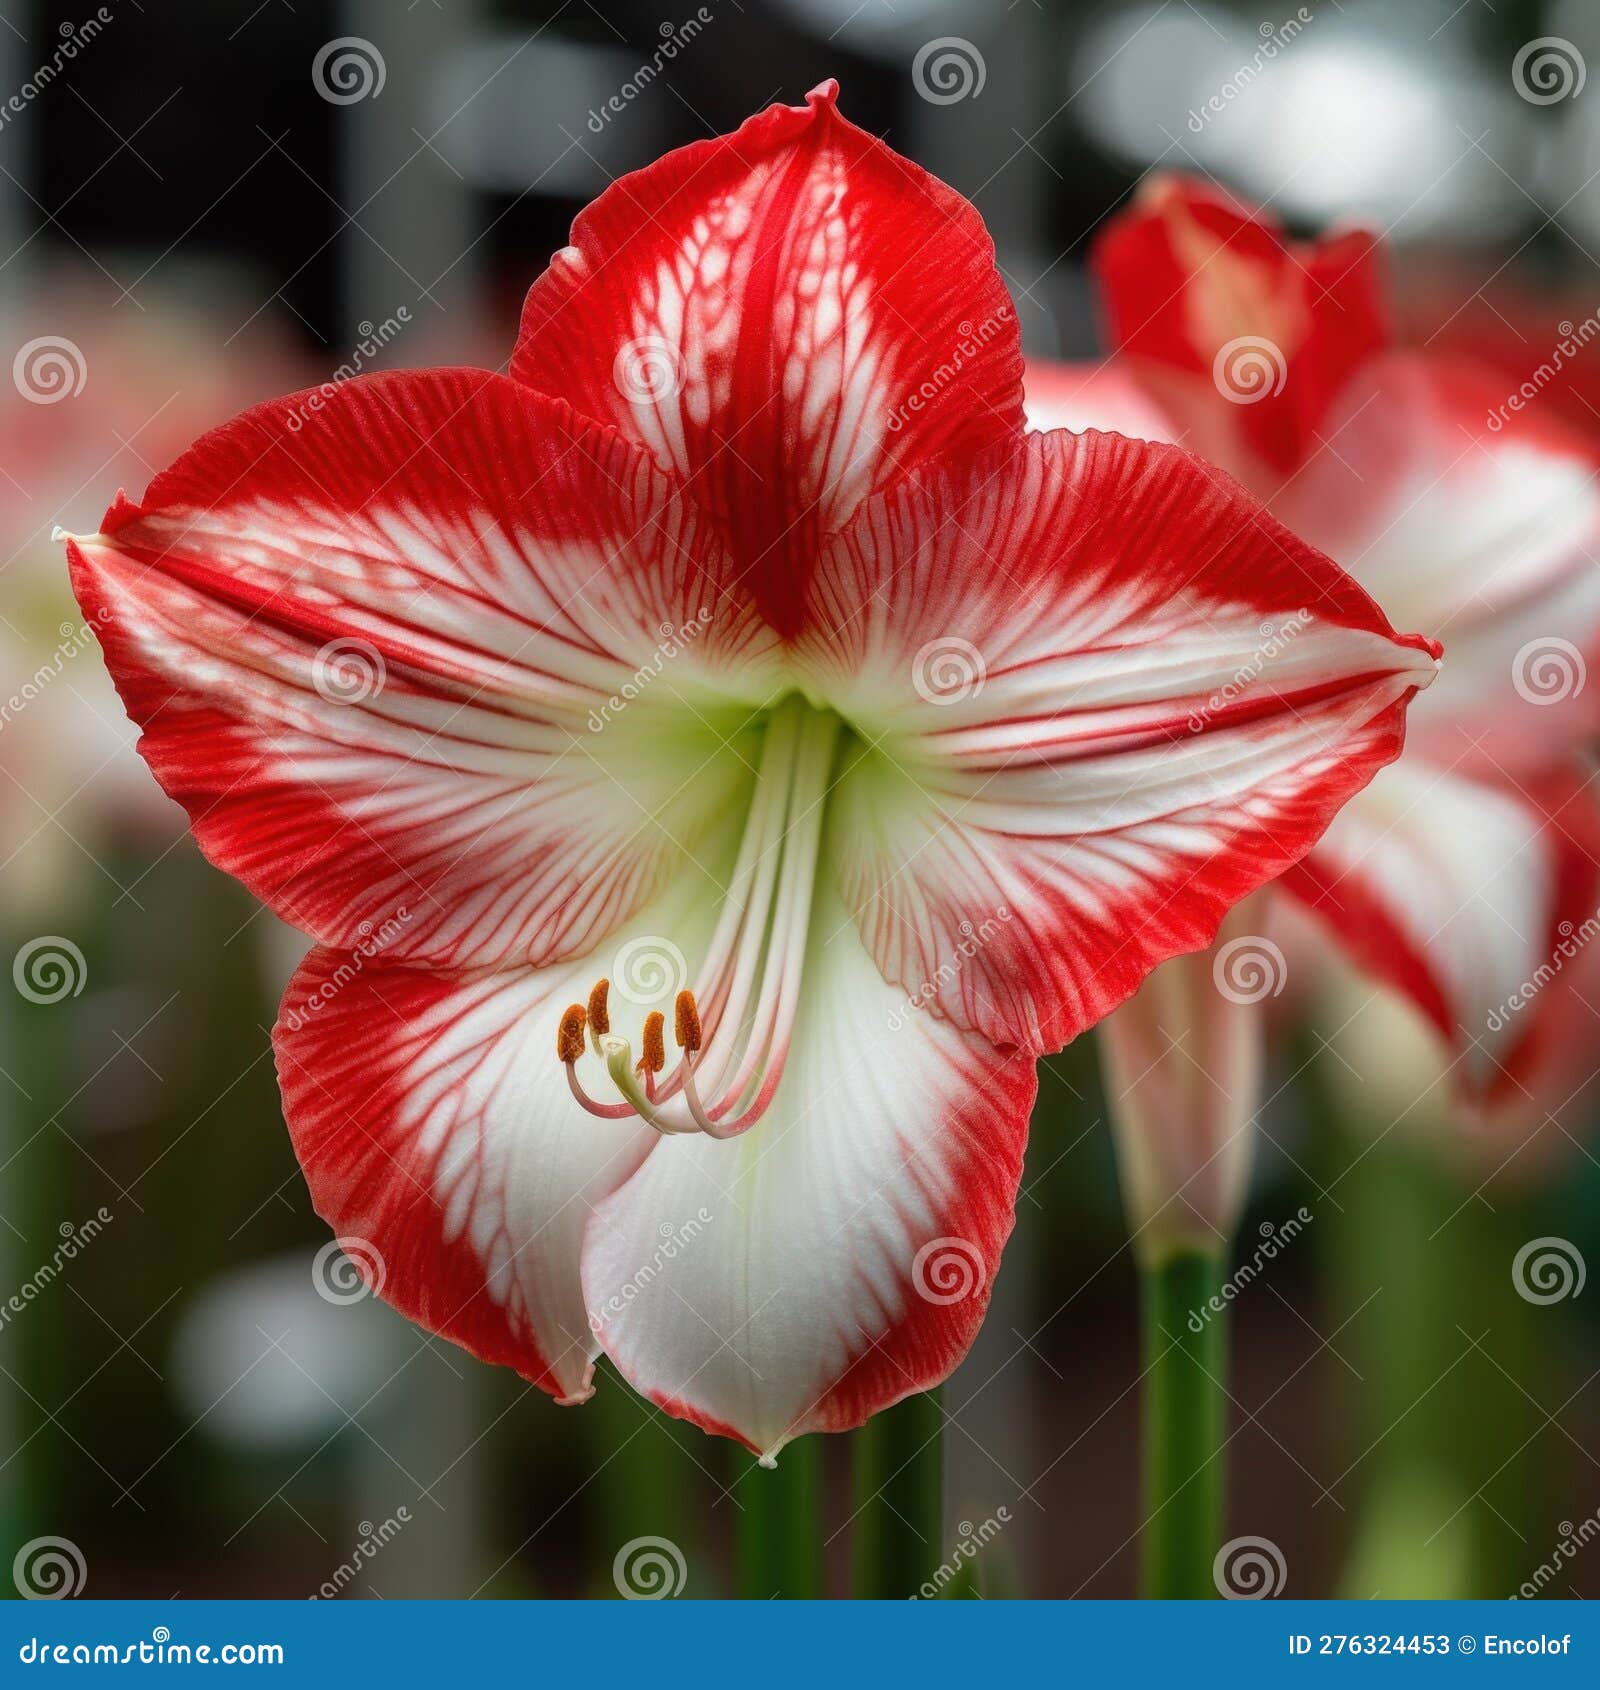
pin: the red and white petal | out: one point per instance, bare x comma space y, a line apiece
1471, 900
840, 1254
433, 1121
1244, 333
1105, 396
787, 317
1101, 696
434, 1125
427, 643
1480, 526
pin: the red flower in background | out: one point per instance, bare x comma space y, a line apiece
742, 633
1463, 871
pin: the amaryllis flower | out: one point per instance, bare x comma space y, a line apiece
1460, 875
738, 660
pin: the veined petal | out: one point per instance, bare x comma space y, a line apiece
1469, 898
428, 644
1242, 330
433, 1121
1480, 526
839, 1256
787, 317
1100, 696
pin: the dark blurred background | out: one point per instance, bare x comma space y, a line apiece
200, 205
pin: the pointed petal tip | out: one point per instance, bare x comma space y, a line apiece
1421, 642
825, 96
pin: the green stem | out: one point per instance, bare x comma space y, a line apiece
779, 1535
1184, 1419
899, 1499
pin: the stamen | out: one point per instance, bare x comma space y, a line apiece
569, 1047
599, 1013
569, 1036
654, 1058
731, 1063
686, 1022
